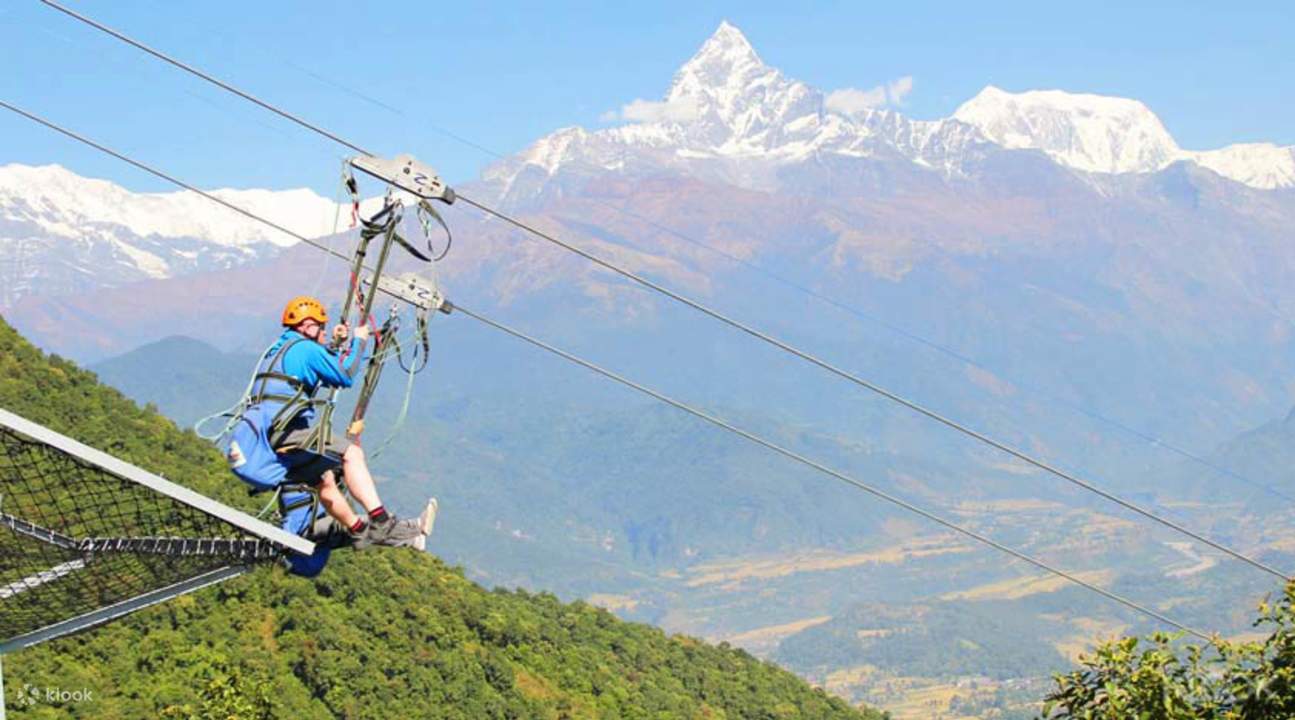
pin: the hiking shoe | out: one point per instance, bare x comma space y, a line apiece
391, 533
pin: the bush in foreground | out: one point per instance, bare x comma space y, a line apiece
1159, 678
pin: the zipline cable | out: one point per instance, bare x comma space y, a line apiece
661, 397
716, 315
209, 78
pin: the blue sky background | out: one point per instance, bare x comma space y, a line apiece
503, 75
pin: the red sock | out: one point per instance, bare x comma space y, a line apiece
378, 514
358, 526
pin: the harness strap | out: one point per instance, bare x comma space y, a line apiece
269, 373
277, 398
310, 497
426, 210
279, 376
410, 248
281, 426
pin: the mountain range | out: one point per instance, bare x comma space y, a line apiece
727, 116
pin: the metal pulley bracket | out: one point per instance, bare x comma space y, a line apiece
407, 174
415, 290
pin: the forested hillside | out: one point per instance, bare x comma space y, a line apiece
379, 635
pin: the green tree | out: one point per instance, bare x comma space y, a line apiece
224, 692
1161, 678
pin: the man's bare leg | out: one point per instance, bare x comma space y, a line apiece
335, 503
358, 480
390, 531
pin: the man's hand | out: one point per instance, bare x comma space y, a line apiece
342, 332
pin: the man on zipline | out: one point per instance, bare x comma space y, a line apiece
277, 440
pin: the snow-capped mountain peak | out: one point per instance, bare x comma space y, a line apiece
1087, 132
726, 105
721, 71
728, 102
725, 52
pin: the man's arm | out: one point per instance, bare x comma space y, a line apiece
330, 368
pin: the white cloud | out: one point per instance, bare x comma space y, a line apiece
852, 100
647, 111
899, 89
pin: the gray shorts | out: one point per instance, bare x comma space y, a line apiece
335, 445
303, 464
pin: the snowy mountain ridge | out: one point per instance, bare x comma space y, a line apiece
1101, 134
63, 233
1260, 165
1086, 132
725, 104
62, 203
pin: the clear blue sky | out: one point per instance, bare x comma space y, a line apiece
505, 74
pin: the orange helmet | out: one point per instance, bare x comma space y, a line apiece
304, 307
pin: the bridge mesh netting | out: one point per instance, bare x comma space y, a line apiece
77, 538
